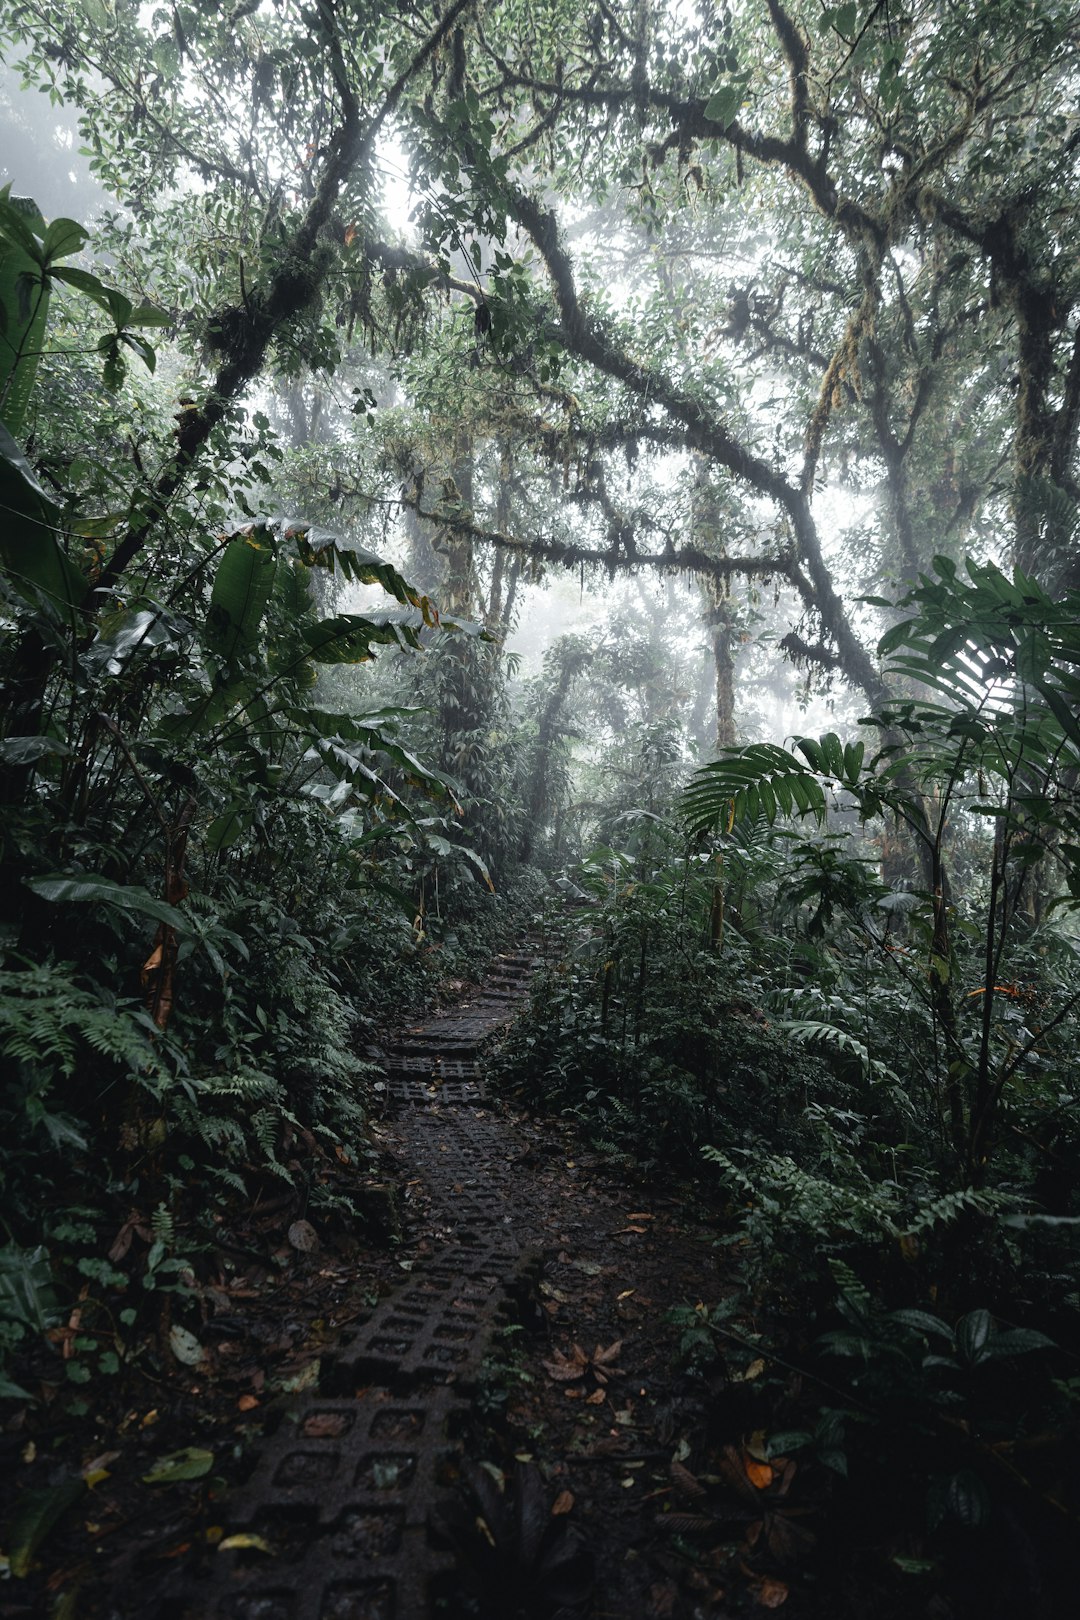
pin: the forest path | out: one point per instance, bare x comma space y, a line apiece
519, 1250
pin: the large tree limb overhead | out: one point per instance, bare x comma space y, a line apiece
546, 548
703, 432
268, 310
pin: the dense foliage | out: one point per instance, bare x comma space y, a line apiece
763, 320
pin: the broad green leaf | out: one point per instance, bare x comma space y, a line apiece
226, 829
723, 105
149, 315
36, 1512
350, 638
30, 526
191, 1463
185, 1346
26, 1288
923, 1322
317, 548
1017, 1342
21, 225
91, 889
24, 305
27, 750
242, 586
83, 281
973, 1334
62, 238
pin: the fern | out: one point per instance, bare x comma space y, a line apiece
951, 1206
45, 1021
853, 1289
812, 1032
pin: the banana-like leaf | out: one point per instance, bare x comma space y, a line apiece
350, 638
24, 306
30, 527
318, 548
242, 586
369, 730
92, 889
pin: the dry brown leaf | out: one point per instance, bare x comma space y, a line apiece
662, 1597
247, 1403
303, 1237
597, 1398
788, 1542
771, 1594
605, 1358
759, 1474
680, 1522
730, 1466
325, 1425
562, 1504
684, 1481
564, 1368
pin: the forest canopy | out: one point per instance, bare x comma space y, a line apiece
440, 447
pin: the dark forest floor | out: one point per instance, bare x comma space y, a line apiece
477, 1408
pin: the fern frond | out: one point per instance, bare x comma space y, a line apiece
745, 784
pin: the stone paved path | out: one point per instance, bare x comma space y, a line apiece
345, 1488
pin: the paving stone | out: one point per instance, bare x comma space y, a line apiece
343, 1491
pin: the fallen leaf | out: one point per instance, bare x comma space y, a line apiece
34, 1516
770, 1594
564, 1368
597, 1398
562, 1503
247, 1403
97, 1464
306, 1378
303, 1237
620, 1231
679, 1523
190, 1463
185, 1346
759, 1474
639, 1215
626, 1293
684, 1481
259, 1543
662, 1597
324, 1425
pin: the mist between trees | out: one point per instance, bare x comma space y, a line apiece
450, 456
